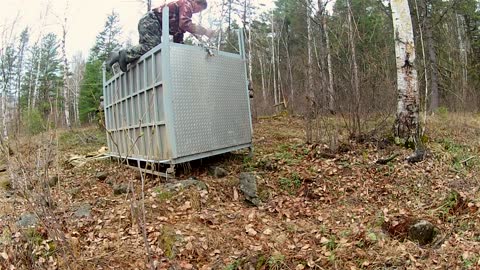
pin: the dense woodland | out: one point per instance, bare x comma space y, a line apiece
344, 92
302, 57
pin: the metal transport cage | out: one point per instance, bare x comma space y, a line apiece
178, 103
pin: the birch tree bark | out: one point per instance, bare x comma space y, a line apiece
247, 15
21, 54
262, 74
407, 120
78, 69
66, 92
7, 64
331, 91
463, 56
275, 93
310, 93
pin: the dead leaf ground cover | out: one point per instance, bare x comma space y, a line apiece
322, 209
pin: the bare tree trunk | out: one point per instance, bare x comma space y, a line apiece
275, 93
30, 90
290, 73
424, 57
322, 95
249, 40
331, 91
250, 58
6, 66
463, 57
262, 73
4, 114
23, 44
280, 87
66, 92
74, 81
355, 81
406, 124
310, 92
434, 101
33, 98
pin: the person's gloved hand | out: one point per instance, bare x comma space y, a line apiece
210, 33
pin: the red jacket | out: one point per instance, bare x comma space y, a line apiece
181, 12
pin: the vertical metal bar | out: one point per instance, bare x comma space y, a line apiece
167, 86
128, 100
145, 90
122, 85
137, 109
105, 103
156, 134
241, 44
241, 40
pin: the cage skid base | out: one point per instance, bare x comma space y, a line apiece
170, 171
167, 176
189, 158
145, 166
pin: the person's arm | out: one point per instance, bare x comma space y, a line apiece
185, 21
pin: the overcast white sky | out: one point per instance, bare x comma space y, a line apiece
86, 18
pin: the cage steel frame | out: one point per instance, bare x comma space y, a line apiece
178, 103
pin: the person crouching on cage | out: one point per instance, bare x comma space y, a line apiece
150, 30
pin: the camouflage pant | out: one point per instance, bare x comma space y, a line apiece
150, 32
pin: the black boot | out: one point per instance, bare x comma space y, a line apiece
112, 59
122, 60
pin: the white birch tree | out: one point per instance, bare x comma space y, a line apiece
310, 92
407, 119
66, 91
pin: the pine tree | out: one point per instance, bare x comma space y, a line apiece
91, 89
50, 79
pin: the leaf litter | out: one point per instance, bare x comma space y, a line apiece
322, 209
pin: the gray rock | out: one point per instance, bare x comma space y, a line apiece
101, 176
27, 220
119, 189
83, 211
248, 185
184, 184
422, 232
219, 172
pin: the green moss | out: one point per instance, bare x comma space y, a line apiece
163, 195
167, 241
276, 261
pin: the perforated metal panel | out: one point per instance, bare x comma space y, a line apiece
210, 104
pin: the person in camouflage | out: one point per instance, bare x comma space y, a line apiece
150, 30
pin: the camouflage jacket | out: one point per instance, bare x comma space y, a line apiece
181, 12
